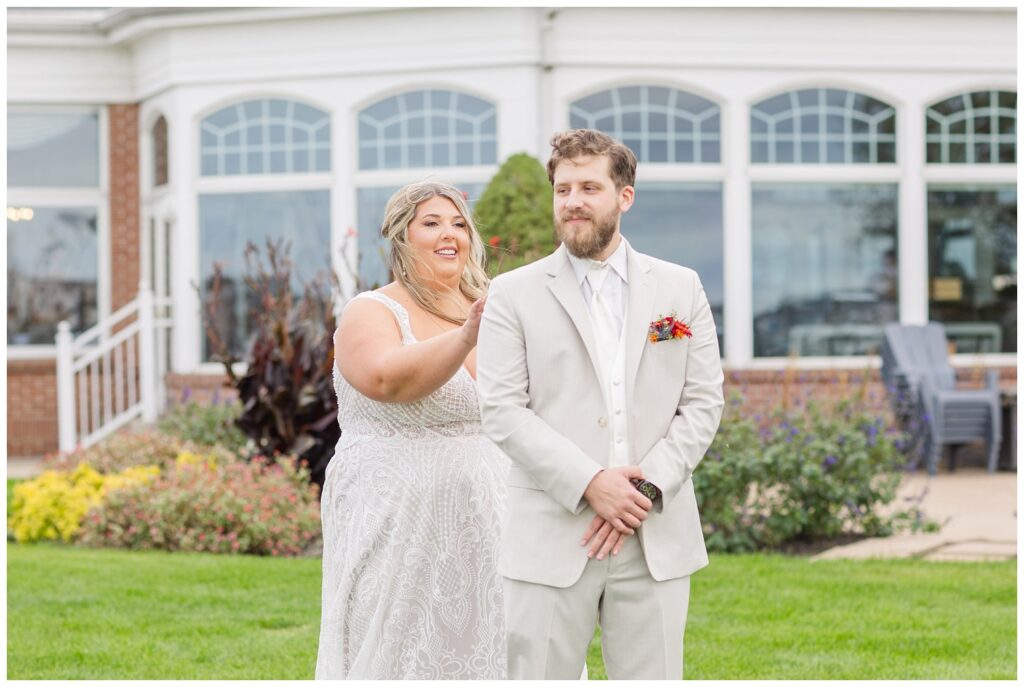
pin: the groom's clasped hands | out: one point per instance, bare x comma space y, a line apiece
620, 508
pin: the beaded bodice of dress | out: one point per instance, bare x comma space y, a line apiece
451, 410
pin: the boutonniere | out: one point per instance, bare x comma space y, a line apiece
666, 328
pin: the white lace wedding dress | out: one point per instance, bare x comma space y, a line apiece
412, 508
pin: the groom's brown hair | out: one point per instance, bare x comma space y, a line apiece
567, 145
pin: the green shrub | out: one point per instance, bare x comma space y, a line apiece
202, 505
53, 505
800, 476
205, 424
513, 215
120, 451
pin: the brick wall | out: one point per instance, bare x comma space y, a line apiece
762, 390
124, 203
31, 407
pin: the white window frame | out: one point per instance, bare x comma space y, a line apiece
98, 197
358, 143
250, 183
962, 174
993, 138
683, 172
619, 110
743, 174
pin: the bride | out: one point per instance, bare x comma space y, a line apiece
414, 497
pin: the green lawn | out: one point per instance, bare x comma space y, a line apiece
76, 613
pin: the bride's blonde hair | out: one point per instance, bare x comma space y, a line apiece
402, 258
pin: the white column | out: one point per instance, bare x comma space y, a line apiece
739, 328
183, 142
913, 215
147, 354
65, 388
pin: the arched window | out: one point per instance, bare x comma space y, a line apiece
973, 128
160, 171
266, 136
431, 128
659, 124
972, 220
822, 126
679, 217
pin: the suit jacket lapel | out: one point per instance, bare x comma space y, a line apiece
639, 314
566, 290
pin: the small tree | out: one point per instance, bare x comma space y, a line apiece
514, 215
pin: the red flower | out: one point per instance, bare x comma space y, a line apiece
666, 328
494, 241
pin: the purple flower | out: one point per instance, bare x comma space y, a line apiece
186, 394
829, 461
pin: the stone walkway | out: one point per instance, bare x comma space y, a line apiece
977, 511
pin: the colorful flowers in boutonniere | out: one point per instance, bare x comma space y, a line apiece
666, 328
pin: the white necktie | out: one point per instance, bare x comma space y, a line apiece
605, 328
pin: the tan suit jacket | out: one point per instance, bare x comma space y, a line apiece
542, 402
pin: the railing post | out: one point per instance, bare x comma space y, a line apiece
65, 389
147, 354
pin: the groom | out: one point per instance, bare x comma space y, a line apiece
599, 376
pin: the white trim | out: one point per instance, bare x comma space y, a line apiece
414, 85
56, 197
42, 352
912, 217
970, 174
737, 237
399, 177
657, 172
262, 183
984, 359
106, 286
874, 362
780, 364
213, 369
887, 173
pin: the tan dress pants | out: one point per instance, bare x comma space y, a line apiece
642, 622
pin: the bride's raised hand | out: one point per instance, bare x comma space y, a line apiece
471, 327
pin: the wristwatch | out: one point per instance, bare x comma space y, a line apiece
647, 489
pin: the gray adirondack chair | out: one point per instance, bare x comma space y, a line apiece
922, 387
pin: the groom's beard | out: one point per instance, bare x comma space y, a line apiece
587, 241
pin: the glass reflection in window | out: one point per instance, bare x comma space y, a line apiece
682, 223
825, 275
53, 149
228, 221
972, 266
160, 166
52, 272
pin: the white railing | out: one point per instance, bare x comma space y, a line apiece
107, 378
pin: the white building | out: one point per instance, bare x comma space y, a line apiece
825, 170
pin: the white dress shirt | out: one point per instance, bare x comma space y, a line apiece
615, 292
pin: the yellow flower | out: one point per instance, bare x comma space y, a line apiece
53, 505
